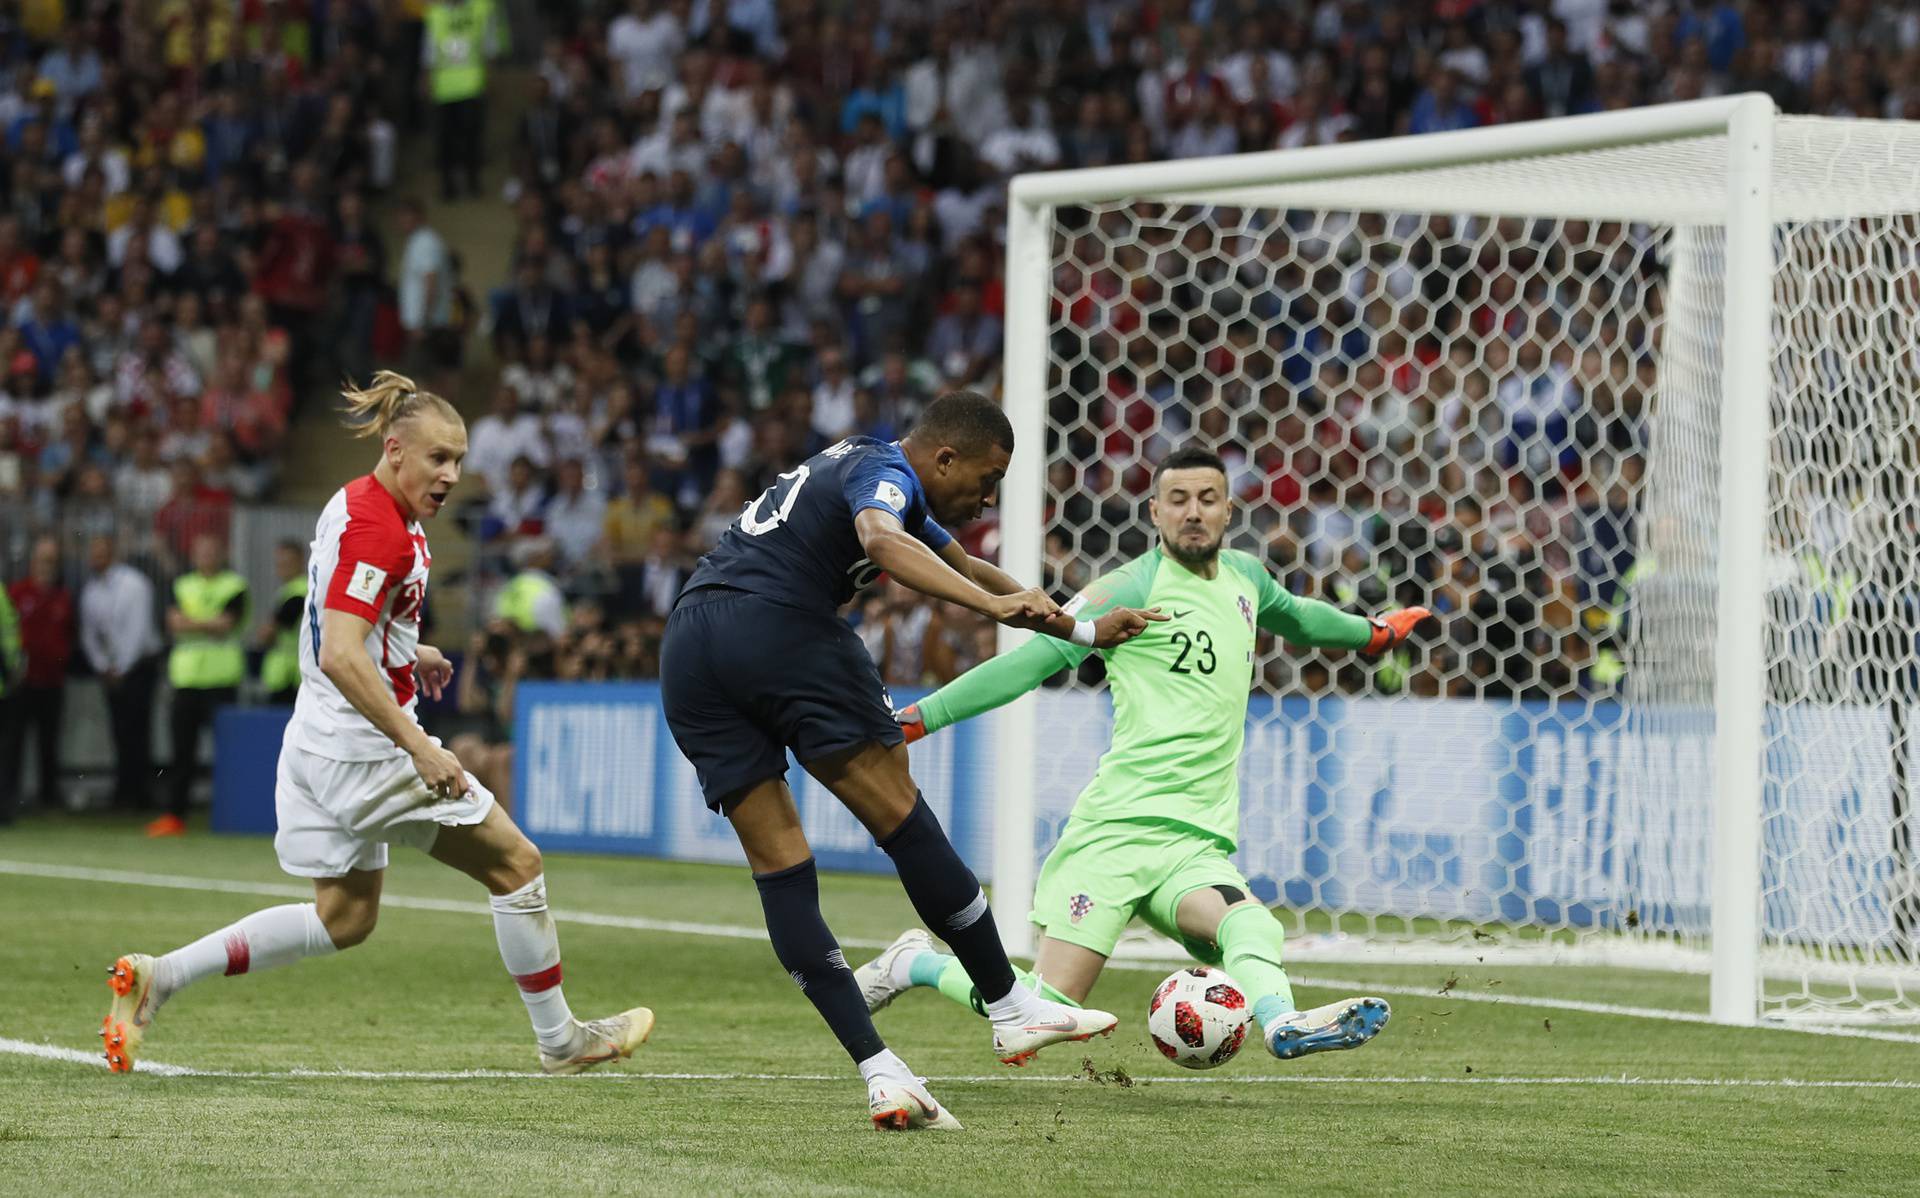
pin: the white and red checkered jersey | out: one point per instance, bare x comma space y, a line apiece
370, 560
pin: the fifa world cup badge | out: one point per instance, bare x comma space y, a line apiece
1078, 906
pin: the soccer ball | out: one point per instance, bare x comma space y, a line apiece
1198, 1017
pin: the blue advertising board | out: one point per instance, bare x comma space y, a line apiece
1444, 808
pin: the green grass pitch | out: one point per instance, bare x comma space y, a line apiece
1461, 1094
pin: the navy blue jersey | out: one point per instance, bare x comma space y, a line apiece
796, 544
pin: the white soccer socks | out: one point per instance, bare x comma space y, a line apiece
262, 940
530, 949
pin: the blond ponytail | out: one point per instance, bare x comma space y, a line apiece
374, 410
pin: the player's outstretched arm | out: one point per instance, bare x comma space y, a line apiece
1116, 626
1394, 629
1319, 625
344, 660
916, 567
993, 683
984, 574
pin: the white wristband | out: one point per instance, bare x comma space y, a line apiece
1082, 633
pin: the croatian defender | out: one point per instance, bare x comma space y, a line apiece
756, 661
1150, 836
357, 772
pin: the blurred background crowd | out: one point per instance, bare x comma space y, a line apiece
736, 231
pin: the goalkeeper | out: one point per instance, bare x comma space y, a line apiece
1150, 836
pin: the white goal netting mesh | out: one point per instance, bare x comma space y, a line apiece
1452, 391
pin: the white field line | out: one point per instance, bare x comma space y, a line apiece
49, 1052
78, 873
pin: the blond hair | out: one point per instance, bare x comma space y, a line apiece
376, 409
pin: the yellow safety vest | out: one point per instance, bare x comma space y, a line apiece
280, 665
13, 662
201, 660
1607, 668
515, 601
458, 34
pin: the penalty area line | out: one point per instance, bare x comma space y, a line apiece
118, 877
74, 1056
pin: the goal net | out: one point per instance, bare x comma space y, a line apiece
1632, 402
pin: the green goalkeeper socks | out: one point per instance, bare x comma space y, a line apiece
1250, 940
946, 974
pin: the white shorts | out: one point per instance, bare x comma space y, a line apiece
337, 816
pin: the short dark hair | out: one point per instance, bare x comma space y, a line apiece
1189, 457
966, 420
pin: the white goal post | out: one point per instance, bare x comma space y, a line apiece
1633, 399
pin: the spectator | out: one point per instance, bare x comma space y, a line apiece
721, 509
194, 509
663, 571
361, 255
143, 483
629, 525
532, 309
833, 408
73, 67
122, 645
295, 262
966, 341
644, 41
12, 723
154, 373
532, 601
462, 37
1563, 80
277, 640
501, 436
575, 518
686, 427
43, 608
539, 380
208, 660
1439, 108
517, 509
426, 293
759, 361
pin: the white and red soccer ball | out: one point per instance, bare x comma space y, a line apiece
1198, 1017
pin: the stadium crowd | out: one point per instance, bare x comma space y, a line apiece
742, 229
184, 240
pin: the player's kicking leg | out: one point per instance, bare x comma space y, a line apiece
1248, 941
768, 825
874, 783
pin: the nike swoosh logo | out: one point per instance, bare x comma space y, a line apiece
1181, 615
1062, 1024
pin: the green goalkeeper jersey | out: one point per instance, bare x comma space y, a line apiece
1179, 688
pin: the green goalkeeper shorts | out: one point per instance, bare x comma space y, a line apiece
1101, 874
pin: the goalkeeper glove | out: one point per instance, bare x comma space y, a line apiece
908, 718
1391, 630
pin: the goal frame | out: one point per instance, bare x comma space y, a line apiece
1746, 212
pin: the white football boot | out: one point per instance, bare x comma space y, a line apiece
903, 1104
611, 1039
875, 978
1050, 1023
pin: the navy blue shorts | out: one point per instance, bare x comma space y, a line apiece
743, 679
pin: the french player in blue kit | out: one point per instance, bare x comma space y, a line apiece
756, 660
